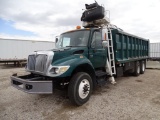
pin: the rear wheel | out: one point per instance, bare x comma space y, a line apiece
142, 67
80, 88
137, 68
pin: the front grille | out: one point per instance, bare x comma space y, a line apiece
40, 63
31, 62
37, 62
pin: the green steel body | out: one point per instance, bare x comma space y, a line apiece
128, 47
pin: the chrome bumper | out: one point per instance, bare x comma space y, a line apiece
33, 85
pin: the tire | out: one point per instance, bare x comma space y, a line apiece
137, 68
79, 83
142, 67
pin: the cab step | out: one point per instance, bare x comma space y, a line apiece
101, 77
100, 73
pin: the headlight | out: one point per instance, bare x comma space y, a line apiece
59, 69
63, 69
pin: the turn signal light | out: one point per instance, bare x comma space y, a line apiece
78, 27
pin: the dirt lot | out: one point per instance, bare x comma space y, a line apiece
131, 98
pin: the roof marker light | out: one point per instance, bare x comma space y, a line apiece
78, 27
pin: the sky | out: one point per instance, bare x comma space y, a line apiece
45, 19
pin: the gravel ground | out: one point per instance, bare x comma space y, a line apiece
131, 98
153, 65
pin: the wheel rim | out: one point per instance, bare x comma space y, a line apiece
143, 68
138, 69
84, 88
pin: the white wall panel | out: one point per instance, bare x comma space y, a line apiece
20, 49
155, 50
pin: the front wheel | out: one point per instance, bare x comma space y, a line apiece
80, 88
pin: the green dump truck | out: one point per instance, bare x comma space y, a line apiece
84, 58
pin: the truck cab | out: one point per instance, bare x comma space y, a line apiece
86, 42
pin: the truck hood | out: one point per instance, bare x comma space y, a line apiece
68, 51
40, 61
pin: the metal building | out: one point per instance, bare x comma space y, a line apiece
155, 51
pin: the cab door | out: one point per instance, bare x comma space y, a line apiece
97, 54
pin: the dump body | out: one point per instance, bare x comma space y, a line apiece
128, 47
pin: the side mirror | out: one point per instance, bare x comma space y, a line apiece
104, 43
56, 40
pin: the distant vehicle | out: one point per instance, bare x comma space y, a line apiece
84, 58
154, 51
15, 50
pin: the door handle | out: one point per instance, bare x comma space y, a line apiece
90, 55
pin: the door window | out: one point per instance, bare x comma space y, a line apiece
66, 41
96, 40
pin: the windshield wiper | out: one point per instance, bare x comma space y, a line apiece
71, 46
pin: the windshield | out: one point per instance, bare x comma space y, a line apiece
72, 39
